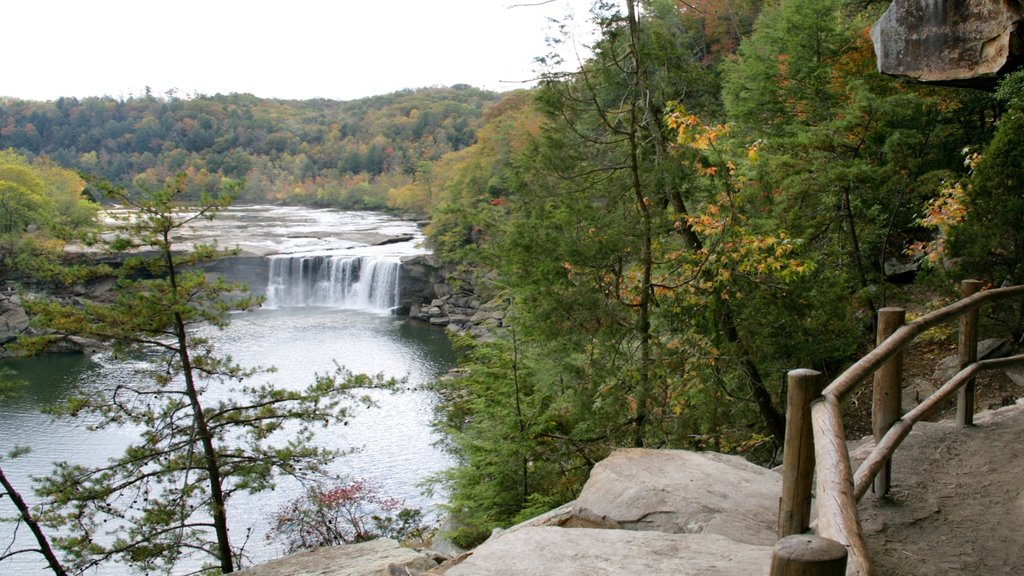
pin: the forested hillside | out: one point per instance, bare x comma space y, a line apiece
321, 152
725, 191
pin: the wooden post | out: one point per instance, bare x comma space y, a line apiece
886, 399
967, 354
798, 453
808, 555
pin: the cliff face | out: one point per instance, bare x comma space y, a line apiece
955, 42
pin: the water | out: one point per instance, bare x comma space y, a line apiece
342, 281
311, 324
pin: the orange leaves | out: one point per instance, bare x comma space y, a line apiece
943, 213
690, 132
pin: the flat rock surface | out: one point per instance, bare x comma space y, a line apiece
682, 492
553, 551
364, 559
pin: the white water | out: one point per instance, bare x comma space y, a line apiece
338, 281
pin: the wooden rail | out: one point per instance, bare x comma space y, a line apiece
815, 444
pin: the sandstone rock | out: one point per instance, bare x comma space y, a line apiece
553, 551
682, 492
483, 316
964, 42
13, 320
372, 558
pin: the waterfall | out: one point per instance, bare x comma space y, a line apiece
360, 282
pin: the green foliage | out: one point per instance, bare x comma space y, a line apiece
991, 239
615, 304
39, 193
44, 262
504, 423
316, 151
841, 156
22, 199
661, 276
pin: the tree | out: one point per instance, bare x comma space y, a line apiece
841, 155
23, 198
40, 193
990, 240
167, 496
600, 245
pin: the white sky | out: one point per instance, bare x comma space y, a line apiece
337, 49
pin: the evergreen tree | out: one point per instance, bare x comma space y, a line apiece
990, 240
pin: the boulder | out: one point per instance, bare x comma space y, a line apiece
989, 348
554, 551
372, 558
682, 492
13, 319
957, 42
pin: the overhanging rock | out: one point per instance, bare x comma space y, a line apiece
955, 42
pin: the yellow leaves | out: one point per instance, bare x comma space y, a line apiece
944, 212
753, 150
690, 132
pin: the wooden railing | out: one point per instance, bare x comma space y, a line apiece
815, 451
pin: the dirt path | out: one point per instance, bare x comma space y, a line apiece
957, 503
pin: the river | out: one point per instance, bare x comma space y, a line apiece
322, 309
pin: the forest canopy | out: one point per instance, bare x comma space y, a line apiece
315, 152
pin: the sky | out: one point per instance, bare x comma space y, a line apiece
292, 49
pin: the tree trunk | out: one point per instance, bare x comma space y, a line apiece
37, 531
218, 511
646, 256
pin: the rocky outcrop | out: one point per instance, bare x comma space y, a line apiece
647, 512
682, 492
956, 42
374, 558
420, 276
574, 551
454, 300
650, 512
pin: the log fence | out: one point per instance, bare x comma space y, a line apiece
815, 451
